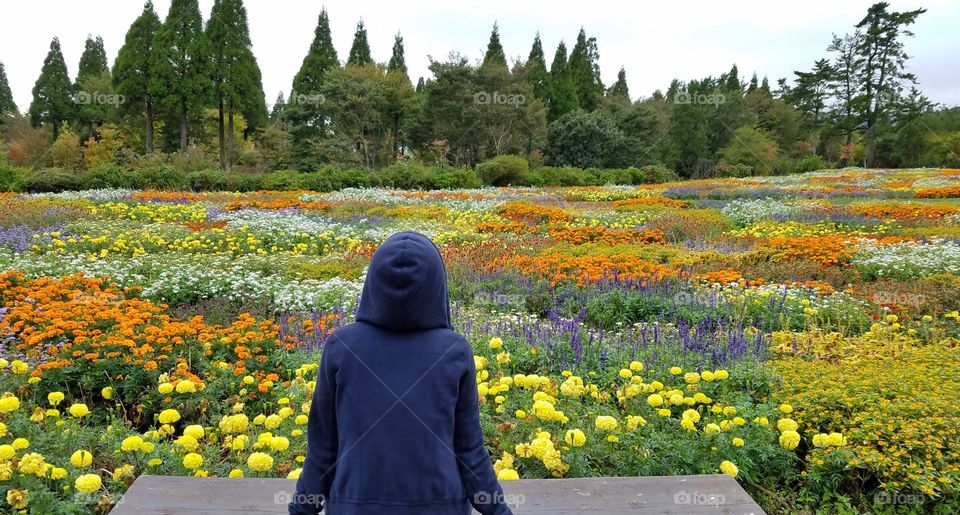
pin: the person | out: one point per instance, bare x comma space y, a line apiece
394, 425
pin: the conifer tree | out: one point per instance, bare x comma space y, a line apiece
563, 92
132, 71
495, 55
537, 71
397, 60
585, 71
360, 51
620, 88
53, 101
7, 105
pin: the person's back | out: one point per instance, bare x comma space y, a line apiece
394, 424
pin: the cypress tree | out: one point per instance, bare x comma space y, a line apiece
277, 112
132, 71
563, 92
538, 75
7, 105
305, 118
53, 93
585, 71
397, 61
92, 72
495, 55
93, 61
180, 58
231, 66
619, 88
360, 50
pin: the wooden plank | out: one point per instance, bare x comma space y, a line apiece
717, 493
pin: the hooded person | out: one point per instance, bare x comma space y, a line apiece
394, 426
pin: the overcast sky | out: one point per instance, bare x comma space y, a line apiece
654, 41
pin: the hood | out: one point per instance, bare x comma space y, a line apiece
406, 285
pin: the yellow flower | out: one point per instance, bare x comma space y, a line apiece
169, 416
192, 461
279, 443
20, 443
626, 373
232, 424
575, 438
88, 483
9, 403
738, 442
606, 423
154, 462
186, 386
17, 498
663, 412
636, 366
707, 375
836, 439
635, 421
520, 413
691, 377
507, 475
272, 422
79, 410
165, 388
786, 424
729, 468
32, 464
107, 392
786, 408
676, 370
7, 452
295, 473
81, 458
58, 473
19, 367
503, 358
131, 443
789, 439
55, 398
721, 375
613, 438
820, 440
496, 343
259, 461
236, 473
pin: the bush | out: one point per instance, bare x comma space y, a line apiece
652, 174
161, 177
284, 180
611, 176
207, 180
407, 176
11, 177
504, 170
458, 178
193, 159
52, 180
107, 175
753, 147
799, 165
557, 176
735, 170
244, 182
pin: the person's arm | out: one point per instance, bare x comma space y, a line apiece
476, 471
316, 478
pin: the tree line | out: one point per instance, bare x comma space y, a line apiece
188, 87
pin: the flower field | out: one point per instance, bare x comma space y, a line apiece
799, 333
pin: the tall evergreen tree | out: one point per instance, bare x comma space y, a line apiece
537, 71
360, 50
7, 105
180, 57
881, 52
305, 118
53, 93
132, 71
93, 61
397, 61
563, 91
585, 71
845, 88
619, 88
495, 55
277, 111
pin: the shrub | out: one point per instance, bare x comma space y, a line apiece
651, 174
161, 177
244, 182
557, 176
65, 151
11, 177
207, 180
194, 158
458, 178
407, 176
52, 180
283, 180
504, 170
108, 175
734, 170
752, 147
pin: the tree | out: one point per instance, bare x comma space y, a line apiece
397, 62
751, 147
563, 91
619, 88
537, 71
360, 50
7, 105
93, 61
812, 91
845, 88
303, 109
883, 59
53, 93
132, 71
584, 71
93, 83
584, 139
180, 59
495, 55
277, 112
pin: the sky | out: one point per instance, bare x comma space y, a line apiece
654, 41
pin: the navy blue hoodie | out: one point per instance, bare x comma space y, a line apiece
394, 426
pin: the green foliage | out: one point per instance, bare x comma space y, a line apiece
563, 89
162, 177
108, 175
504, 170
584, 71
458, 178
207, 180
7, 105
585, 139
751, 147
495, 55
360, 50
407, 176
397, 62
53, 93
52, 180
11, 177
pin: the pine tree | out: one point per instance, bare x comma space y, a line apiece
585, 71
495, 55
753, 83
180, 57
360, 50
132, 71
537, 71
277, 112
397, 61
53, 93
305, 118
93, 61
7, 105
232, 65
619, 88
563, 92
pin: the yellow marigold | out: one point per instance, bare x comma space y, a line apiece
729, 468
7, 451
789, 439
707, 375
606, 423
508, 475
81, 458
635, 421
575, 438
820, 440
58, 473
721, 374
786, 408
259, 461
503, 358
761, 421
786, 424
691, 377
88, 483
55, 398
272, 421
32, 464
520, 413
663, 412
107, 392
692, 414
17, 498
131, 443
836, 439
676, 370
20, 443
235, 473
186, 386
9, 403
169, 416
192, 461
279, 443
738, 442
636, 366
295, 473
194, 430
237, 423
165, 388
19, 367
496, 343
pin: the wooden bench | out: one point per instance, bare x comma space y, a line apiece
717, 493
